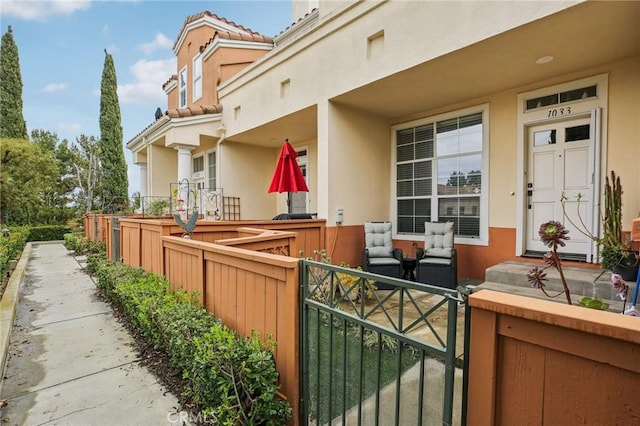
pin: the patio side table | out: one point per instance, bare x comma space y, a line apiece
409, 267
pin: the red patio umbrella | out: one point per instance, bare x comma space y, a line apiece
287, 176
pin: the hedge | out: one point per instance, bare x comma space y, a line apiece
11, 246
231, 378
48, 232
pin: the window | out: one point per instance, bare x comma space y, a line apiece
439, 171
211, 163
197, 77
182, 86
198, 164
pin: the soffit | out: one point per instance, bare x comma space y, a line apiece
299, 126
581, 37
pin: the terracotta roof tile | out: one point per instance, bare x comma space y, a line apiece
200, 15
194, 110
172, 78
237, 36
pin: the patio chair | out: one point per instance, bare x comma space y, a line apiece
437, 262
379, 256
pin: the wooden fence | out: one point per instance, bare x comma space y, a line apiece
539, 362
141, 245
248, 290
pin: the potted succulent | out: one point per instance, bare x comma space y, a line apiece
616, 254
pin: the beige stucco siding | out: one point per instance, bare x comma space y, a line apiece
246, 171
343, 53
358, 166
162, 169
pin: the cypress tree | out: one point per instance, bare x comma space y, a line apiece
114, 184
12, 124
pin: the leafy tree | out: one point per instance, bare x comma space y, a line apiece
86, 170
114, 184
457, 179
21, 189
12, 124
56, 206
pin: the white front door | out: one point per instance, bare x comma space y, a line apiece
561, 163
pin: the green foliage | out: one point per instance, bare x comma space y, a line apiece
48, 233
12, 124
21, 202
114, 184
11, 246
158, 207
232, 379
593, 303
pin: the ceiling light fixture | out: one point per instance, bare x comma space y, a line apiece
544, 59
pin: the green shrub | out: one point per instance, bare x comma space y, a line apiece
11, 246
232, 379
48, 232
72, 241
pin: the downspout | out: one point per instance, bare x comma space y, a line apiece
222, 133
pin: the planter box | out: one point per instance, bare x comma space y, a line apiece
635, 230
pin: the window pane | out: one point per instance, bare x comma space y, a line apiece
577, 133
405, 188
544, 137
404, 137
424, 150
422, 187
404, 171
422, 169
448, 178
471, 139
404, 153
405, 207
424, 133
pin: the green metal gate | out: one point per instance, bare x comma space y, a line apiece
373, 357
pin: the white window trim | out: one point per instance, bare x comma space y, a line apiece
483, 239
197, 79
181, 88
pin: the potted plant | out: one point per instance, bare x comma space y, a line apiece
616, 254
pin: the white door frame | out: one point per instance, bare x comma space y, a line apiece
597, 108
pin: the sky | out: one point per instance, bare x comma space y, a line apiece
61, 47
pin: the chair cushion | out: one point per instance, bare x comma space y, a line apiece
384, 261
377, 237
435, 261
438, 240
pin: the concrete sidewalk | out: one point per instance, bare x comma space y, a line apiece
69, 360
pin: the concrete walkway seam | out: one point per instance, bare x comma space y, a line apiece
9, 304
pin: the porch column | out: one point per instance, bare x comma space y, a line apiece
184, 162
143, 180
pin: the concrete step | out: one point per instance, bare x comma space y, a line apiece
615, 305
581, 281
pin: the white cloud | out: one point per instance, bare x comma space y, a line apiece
41, 10
70, 128
149, 78
55, 87
161, 41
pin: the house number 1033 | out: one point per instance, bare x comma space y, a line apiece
559, 112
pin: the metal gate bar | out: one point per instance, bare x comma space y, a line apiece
333, 309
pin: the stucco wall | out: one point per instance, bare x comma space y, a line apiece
345, 40
246, 172
358, 167
162, 169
